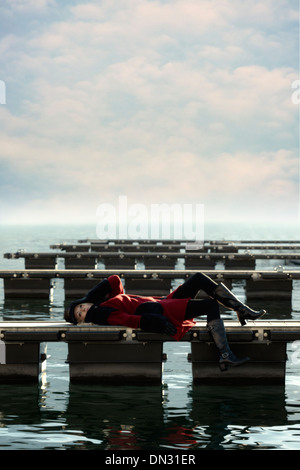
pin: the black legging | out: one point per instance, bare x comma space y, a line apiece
199, 307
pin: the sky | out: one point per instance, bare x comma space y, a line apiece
158, 101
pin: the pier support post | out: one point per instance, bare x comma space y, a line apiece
80, 262
269, 289
148, 286
22, 362
76, 288
236, 263
22, 287
115, 362
267, 362
40, 262
200, 263
159, 262
119, 262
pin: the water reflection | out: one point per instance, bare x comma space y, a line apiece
126, 417
26, 310
19, 404
233, 411
133, 417
60, 415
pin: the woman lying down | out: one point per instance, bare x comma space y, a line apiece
106, 304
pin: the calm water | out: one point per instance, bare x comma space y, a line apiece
177, 415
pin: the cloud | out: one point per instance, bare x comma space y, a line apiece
162, 101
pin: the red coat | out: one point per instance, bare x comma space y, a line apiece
126, 305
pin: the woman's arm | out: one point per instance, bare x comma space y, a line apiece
119, 318
104, 290
116, 286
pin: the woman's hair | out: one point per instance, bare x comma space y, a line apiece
67, 316
69, 313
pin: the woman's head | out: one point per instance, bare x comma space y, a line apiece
77, 312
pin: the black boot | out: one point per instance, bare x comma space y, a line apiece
227, 357
223, 295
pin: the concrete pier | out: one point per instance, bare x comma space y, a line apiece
37, 283
98, 354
